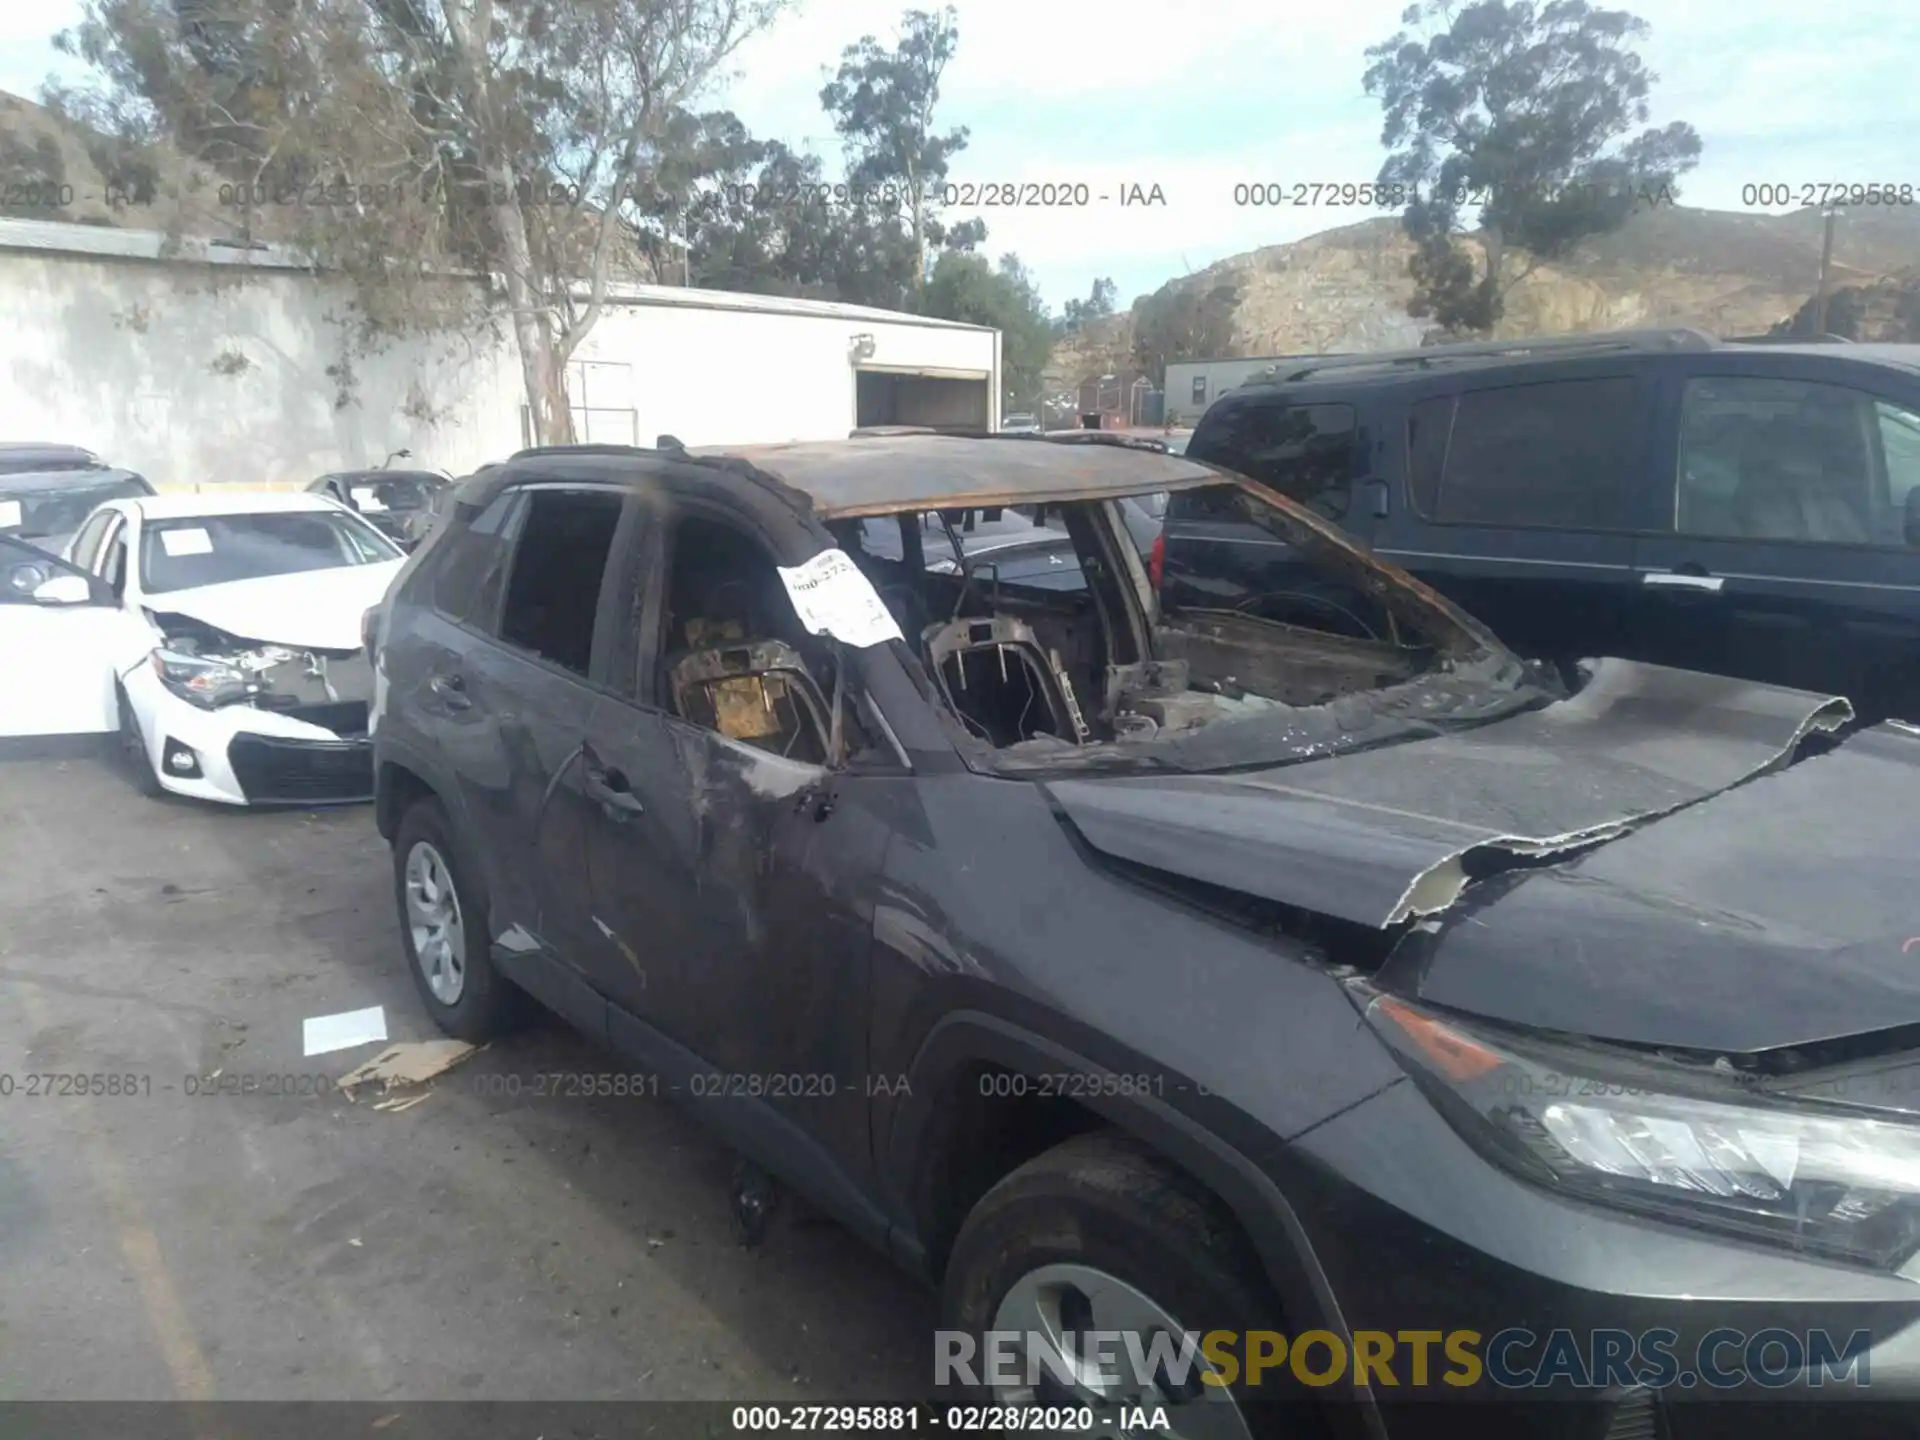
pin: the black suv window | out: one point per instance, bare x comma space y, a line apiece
553, 592
1772, 459
472, 571
1554, 453
1306, 452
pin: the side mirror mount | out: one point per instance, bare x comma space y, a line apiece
1912, 517
63, 590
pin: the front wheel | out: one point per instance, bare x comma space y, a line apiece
443, 925
1098, 1237
133, 753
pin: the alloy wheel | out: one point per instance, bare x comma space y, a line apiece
1057, 1310
435, 924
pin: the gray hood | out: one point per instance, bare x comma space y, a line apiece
1378, 836
1780, 914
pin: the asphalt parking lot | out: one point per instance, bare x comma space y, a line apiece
168, 1245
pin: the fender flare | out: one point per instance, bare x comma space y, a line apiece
386, 817
965, 1037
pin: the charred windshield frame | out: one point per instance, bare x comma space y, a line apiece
1100, 678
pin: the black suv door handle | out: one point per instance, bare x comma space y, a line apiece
612, 791
451, 690
1696, 581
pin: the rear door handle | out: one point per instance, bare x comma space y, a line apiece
612, 791
1672, 580
452, 691
1381, 500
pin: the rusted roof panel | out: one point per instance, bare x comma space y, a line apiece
879, 474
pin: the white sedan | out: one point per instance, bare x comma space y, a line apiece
217, 635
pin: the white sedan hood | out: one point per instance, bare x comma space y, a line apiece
311, 610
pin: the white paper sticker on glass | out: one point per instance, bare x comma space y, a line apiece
193, 541
368, 498
832, 597
10, 512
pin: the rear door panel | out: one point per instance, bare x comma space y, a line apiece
1548, 590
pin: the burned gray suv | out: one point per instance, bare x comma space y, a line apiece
1194, 952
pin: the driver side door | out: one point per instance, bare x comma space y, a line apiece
733, 884
62, 632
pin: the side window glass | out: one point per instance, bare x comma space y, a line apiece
1766, 459
1306, 452
1550, 454
87, 543
473, 570
1429, 427
1900, 447
113, 565
559, 561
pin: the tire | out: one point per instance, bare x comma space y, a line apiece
1101, 1203
484, 1004
132, 752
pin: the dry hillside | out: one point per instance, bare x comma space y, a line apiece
45, 160
1730, 273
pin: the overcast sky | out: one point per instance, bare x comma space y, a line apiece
1199, 100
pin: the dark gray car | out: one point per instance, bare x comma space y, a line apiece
46, 507
401, 504
1148, 964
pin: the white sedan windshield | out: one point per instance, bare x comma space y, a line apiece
187, 552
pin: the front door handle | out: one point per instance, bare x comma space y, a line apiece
451, 691
610, 789
1673, 580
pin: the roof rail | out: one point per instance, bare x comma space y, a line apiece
1788, 340
581, 450
1643, 341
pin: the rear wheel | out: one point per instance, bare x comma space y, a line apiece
443, 924
1099, 1235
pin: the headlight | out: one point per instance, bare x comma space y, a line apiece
1812, 1177
206, 683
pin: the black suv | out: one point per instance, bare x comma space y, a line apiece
1753, 510
1355, 1017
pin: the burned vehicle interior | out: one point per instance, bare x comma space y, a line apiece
1048, 665
1072, 666
735, 658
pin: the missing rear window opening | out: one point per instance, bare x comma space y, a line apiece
554, 591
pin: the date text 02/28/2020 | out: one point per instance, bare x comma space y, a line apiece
914, 1419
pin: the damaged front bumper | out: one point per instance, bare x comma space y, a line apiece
303, 740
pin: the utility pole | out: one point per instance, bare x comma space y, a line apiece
1826, 266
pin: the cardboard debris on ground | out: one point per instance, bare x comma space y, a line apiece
412, 1062
396, 1104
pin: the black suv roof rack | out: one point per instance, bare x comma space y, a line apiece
1642, 341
